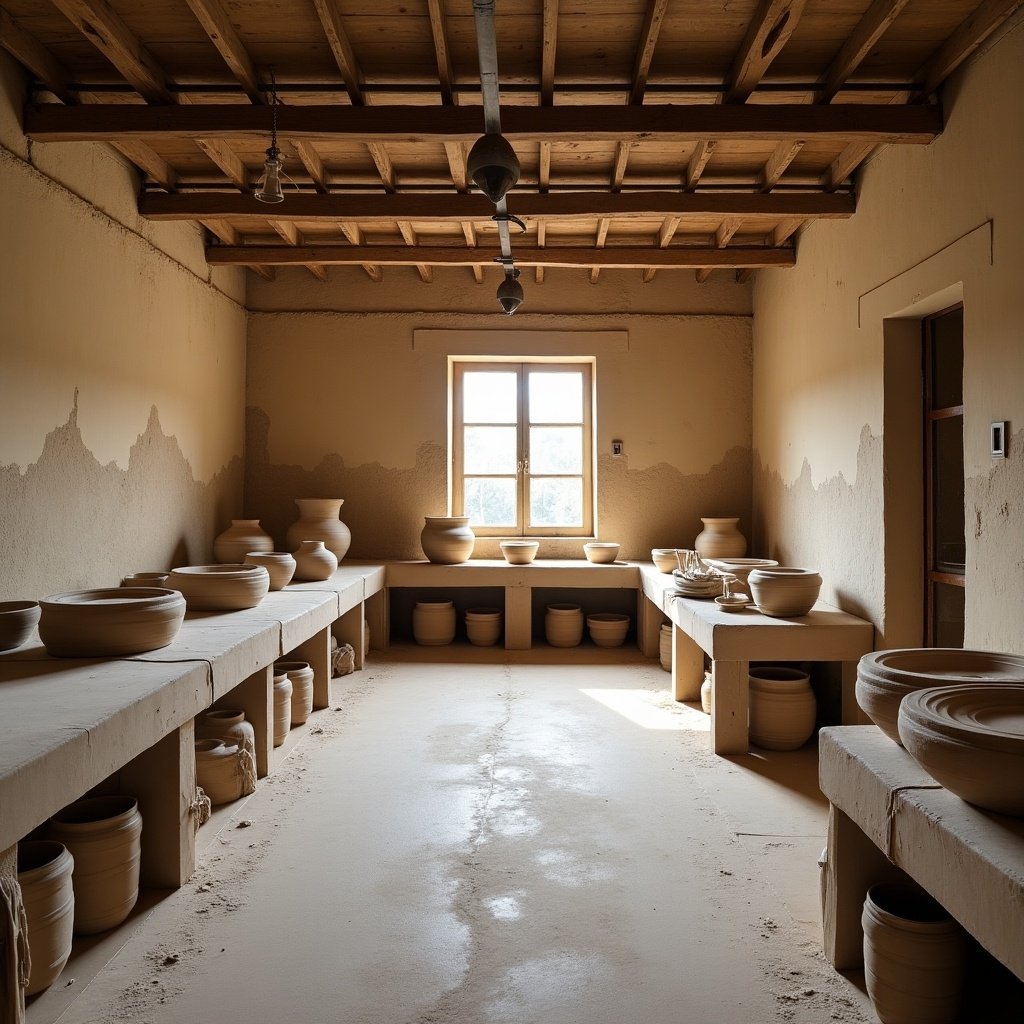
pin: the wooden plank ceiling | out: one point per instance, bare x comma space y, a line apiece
652, 134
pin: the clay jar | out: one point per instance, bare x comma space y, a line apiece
483, 626
241, 537
282, 706
219, 770
300, 674
782, 707
314, 561
720, 538
665, 646
104, 836
913, 957
318, 520
229, 725
433, 623
447, 540
563, 625
280, 565
17, 620
44, 874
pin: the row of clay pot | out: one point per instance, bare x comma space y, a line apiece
318, 520
433, 624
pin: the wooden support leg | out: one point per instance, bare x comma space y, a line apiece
349, 630
518, 618
255, 696
317, 651
377, 616
687, 666
163, 780
729, 708
648, 629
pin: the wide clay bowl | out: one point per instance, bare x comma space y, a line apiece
17, 620
970, 738
741, 567
608, 629
664, 559
884, 678
601, 552
221, 588
784, 591
519, 552
279, 564
110, 623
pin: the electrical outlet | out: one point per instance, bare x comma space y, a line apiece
616, 447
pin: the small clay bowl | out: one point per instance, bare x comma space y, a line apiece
221, 588
664, 559
732, 603
17, 620
601, 552
519, 552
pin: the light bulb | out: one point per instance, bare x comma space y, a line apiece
269, 188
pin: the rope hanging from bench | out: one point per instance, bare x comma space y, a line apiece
17, 964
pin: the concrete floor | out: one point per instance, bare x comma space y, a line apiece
470, 839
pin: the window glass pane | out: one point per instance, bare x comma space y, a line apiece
947, 342
556, 449
948, 498
490, 502
556, 397
489, 449
947, 615
489, 397
556, 501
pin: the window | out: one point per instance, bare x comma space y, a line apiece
523, 448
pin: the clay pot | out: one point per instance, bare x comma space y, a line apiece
282, 706
44, 874
145, 579
229, 725
707, 694
447, 540
519, 552
221, 588
280, 565
720, 538
314, 561
483, 626
782, 707
220, 772
433, 623
884, 678
301, 677
563, 625
665, 646
913, 957
318, 520
17, 621
608, 629
104, 836
784, 592
110, 623
241, 537
664, 559
601, 552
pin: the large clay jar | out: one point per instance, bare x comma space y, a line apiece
318, 520
314, 561
280, 565
433, 623
782, 707
241, 537
483, 626
219, 770
563, 625
229, 725
665, 646
913, 957
720, 538
447, 540
282, 706
44, 874
301, 676
104, 836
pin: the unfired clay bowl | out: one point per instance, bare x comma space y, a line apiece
279, 564
608, 629
145, 579
664, 559
601, 552
784, 591
519, 552
741, 567
17, 620
221, 588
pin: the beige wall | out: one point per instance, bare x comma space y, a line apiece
834, 485
122, 383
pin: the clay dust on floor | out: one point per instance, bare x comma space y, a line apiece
470, 838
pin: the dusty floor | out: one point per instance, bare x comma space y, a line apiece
468, 840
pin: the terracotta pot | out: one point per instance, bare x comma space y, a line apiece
110, 623
104, 836
241, 537
519, 552
483, 626
782, 708
229, 725
44, 874
17, 621
301, 676
608, 629
447, 540
665, 646
433, 623
784, 592
720, 538
601, 552
282, 706
913, 957
145, 579
221, 588
314, 561
318, 520
280, 566
563, 625
220, 771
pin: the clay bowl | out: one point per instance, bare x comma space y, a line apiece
519, 552
110, 623
601, 552
608, 629
221, 588
884, 678
970, 738
783, 591
17, 620
664, 559
280, 565
741, 567
145, 579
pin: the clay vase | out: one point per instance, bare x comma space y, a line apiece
241, 537
318, 520
300, 675
483, 626
229, 725
447, 540
707, 694
282, 706
104, 836
44, 874
782, 708
279, 564
665, 647
433, 623
720, 538
219, 770
314, 562
913, 957
563, 625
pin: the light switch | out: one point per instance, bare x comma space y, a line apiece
616, 447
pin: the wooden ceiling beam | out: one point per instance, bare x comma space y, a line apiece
445, 75
767, 34
762, 122
541, 239
313, 163
355, 236
783, 155
216, 24
149, 162
653, 17
341, 48
871, 27
24, 47
783, 230
382, 161
698, 161
426, 274
457, 165
229, 162
845, 164
548, 45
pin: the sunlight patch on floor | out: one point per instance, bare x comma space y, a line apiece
652, 710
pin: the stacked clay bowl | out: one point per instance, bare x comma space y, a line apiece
884, 678
783, 591
607, 629
741, 567
601, 552
17, 620
110, 623
970, 738
519, 552
221, 588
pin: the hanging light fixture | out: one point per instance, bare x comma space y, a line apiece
268, 188
510, 291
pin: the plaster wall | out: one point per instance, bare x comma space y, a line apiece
834, 447
123, 365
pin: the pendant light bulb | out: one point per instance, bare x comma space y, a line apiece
269, 190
